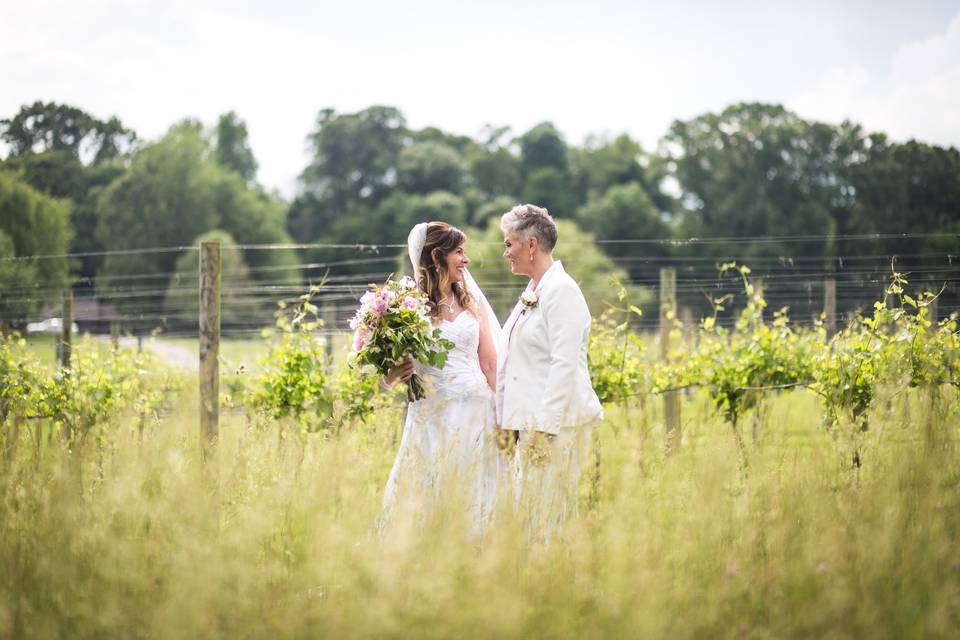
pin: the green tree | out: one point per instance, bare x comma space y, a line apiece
237, 304
61, 174
549, 187
165, 199
18, 280
626, 212
494, 166
391, 220
543, 147
491, 210
65, 152
49, 126
354, 156
174, 192
232, 147
253, 217
757, 170
603, 163
31, 224
545, 167
903, 189
608, 163
460, 144
424, 167
310, 217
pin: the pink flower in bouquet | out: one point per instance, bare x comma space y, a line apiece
381, 332
381, 302
360, 338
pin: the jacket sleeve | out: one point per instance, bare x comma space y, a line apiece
567, 320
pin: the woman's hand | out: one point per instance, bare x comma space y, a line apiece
539, 448
506, 440
401, 372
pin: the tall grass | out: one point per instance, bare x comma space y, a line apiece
282, 543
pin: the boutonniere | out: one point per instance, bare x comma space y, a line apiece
529, 300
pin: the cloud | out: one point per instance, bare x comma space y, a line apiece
918, 97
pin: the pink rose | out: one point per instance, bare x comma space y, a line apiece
360, 338
382, 302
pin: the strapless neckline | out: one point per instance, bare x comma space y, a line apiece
454, 321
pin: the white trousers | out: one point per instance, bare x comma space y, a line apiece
547, 477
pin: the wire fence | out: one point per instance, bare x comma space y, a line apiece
167, 301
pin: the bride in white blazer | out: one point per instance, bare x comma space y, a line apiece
545, 400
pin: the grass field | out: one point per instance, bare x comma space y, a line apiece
280, 542
232, 352
43, 348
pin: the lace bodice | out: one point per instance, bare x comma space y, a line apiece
462, 374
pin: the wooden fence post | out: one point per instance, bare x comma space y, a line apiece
66, 334
830, 305
757, 283
329, 329
209, 347
668, 314
689, 327
65, 346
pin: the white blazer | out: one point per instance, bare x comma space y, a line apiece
542, 379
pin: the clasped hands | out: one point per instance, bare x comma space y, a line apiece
537, 448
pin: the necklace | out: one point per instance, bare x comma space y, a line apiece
448, 306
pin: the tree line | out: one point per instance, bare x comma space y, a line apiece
73, 183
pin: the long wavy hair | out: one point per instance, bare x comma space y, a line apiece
432, 277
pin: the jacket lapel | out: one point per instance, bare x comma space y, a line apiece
511, 324
517, 316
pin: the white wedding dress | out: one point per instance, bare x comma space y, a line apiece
448, 453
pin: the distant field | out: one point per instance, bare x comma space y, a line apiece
233, 352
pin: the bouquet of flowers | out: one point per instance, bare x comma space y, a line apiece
391, 325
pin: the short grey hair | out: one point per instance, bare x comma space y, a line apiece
527, 220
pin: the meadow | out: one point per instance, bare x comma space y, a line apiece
802, 513
282, 542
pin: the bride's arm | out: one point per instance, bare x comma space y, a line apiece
487, 353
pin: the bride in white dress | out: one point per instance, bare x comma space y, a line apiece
448, 450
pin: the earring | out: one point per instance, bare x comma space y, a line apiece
531, 257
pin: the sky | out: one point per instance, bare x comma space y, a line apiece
599, 67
